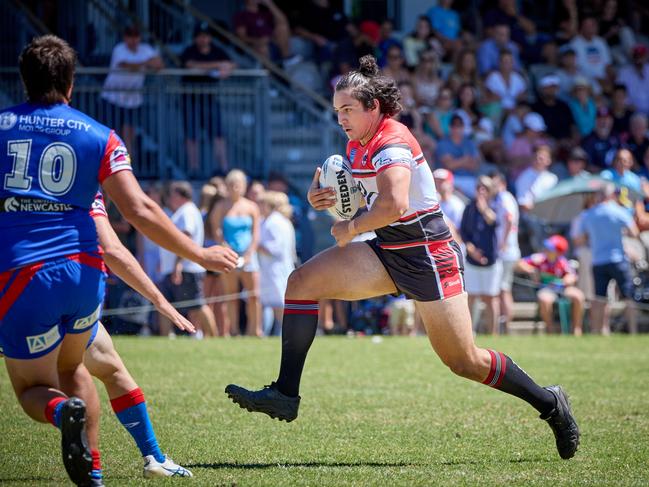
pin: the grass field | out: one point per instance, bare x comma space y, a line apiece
372, 414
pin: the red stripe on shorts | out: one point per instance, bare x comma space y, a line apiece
89, 260
25, 274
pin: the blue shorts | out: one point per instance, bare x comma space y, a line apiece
41, 302
620, 272
93, 335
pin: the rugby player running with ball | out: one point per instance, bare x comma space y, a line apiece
413, 254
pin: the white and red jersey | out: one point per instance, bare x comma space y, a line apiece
394, 145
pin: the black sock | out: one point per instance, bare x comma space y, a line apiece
508, 377
298, 331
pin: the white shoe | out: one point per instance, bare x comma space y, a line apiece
155, 469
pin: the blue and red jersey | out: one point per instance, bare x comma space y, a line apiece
52, 160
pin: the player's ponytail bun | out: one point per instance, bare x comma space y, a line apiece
368, 66
367, 85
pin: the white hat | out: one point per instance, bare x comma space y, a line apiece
534, 121
549, 80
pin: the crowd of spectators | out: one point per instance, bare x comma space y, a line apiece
504, 112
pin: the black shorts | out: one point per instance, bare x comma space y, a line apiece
429, 272
202, 112
191, 288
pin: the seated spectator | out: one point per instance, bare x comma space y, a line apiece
582, 106
439, 120
602, 228
600, 144
566, 20
411, 117
452, 205
122, 90
482, 270
459, 154
489, 51
505, 83
258, 23
523, 30
418, 41
465, 71
513, 125
644, 167
426, 80
556, 113
593, 54
636, 79
202, 110
394, 67
620, 112
613, 29
557, 278
549, 63
638, 140
570, 72
386, 40
536, 179
620, 171
446, 24
577, 163
523, 149
467, 105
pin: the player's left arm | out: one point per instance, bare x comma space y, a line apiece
126, 267
393, 184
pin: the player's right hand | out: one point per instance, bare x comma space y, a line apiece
320, 198
219, 259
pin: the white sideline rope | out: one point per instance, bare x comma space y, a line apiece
188, 303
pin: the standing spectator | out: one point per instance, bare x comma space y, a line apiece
235, 222
615, 32
601, 144
418, 41
260, 22
523, 149
636, 79
505, 83
202, 110
426, 80
558, 279
182, 279
446, 25
603, 227
509, 252
459, 154
593, 54
482, 271
402, 317
536, 179
620, 112
556, 113
489, 51
513, 125
276, 254
570, 72
122, 89
638, 140
452, 205
582, 105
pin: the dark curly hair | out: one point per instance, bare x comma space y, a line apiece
47, 66
367, 85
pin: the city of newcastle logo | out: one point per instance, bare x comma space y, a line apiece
7, 120
11, 204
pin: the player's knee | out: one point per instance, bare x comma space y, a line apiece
299, 286
461, 365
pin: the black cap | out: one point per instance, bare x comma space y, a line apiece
578, 154
202, 28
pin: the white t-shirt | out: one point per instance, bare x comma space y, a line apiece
637, 86
278, 237
188, 220
453, 208
592, 56
506, 92
531, 184
506, 207
130, 82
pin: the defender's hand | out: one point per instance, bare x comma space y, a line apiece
320, 198
219, 259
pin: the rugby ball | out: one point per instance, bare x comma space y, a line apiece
336, 173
